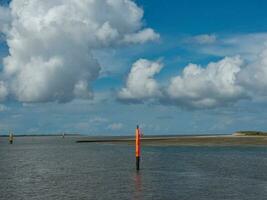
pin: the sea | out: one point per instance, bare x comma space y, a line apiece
52, 168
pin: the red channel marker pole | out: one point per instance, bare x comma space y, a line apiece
137, 147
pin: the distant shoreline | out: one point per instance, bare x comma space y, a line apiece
236, 139
211, 140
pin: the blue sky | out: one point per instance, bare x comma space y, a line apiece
185, 31
207, 16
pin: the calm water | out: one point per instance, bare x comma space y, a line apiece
53, 168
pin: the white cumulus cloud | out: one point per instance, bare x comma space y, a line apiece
51, 45
197, 87
140, 83
254, 76
207, 87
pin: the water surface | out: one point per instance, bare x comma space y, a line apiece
56, 168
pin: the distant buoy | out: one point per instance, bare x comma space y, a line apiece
137, 147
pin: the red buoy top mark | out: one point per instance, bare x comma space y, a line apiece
137, 142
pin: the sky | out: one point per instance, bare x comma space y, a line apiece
102, 67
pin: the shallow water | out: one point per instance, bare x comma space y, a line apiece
55, 168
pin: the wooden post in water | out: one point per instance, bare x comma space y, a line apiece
137, 147
11, 138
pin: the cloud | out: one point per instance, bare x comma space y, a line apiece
246, 45
212, 86
51, 56
142, 36
115, 126
254, 76
218, 84
197, 87
140, 83
252, 48
203, 39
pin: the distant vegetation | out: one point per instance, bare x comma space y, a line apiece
251, 133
